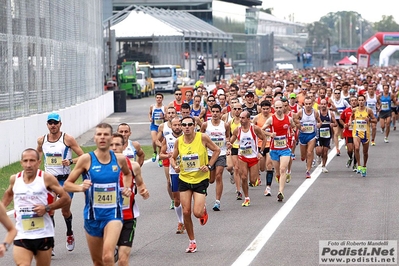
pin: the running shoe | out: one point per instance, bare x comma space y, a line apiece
382, 130
191, 248
394, 128
372, 143
267, 192
239, 195
307, 174
313, 163
70, 243
349, 163
154, 157
338, 152
172, 205
204, 217
386, 140
52, 252
359, 169
160, 164
293, 156
232, 181
246, 203
324, 169
180, 228
354, 168
277, 178
216, 207
280, 196
288, 178
364, 171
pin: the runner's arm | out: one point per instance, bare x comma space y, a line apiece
9, 194
140, 153
208, 143
9, 226
63, 198
82, 165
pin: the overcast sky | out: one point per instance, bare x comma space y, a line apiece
307, 11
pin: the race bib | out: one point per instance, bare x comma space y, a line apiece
361, 125
385, 106
246, 150
32, 222
325, 132
158, 120
371, 106
53, 159
308, 128
126, 203
105, 195
191, 162
280, 141
351, 126
218, 141
131, 157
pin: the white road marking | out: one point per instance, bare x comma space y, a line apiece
261, 239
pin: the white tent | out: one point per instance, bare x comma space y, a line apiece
139, 24
353, 59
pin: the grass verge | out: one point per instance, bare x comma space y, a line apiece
7, 171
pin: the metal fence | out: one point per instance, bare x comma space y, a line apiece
51, 55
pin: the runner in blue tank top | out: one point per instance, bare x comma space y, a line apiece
103, 207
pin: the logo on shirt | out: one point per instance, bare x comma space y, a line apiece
114, 168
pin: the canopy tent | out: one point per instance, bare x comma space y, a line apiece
345, 62
139, 24
353, 58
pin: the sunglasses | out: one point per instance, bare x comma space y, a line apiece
177, 94
53, 122
211, 100
337, 93
237, 108
187, 124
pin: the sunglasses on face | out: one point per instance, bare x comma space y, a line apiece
187, 124
53, 122
178, 94
237, 108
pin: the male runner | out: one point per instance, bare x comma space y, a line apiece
57, 148
103, 195
194, 174
29, 189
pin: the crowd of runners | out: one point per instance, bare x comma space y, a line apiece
249, 125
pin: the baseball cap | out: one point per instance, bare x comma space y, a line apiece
54, 116
292, 96
250, 93
352, 91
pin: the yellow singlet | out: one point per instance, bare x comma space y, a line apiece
361, 128
233, 126
192, 156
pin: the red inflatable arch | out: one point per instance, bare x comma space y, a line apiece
372, 44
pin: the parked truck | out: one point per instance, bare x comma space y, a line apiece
127, 79
165, 78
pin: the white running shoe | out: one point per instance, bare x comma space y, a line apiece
70, 243
324, 170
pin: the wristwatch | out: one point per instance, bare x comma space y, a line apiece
70, 161
47, 208
6, 246
209, 166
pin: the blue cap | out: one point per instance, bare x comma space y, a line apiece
54, 116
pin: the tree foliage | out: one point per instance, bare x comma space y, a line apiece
387, 24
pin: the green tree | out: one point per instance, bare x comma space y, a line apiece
318, 35
387, 24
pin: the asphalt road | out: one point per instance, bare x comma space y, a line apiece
339, 205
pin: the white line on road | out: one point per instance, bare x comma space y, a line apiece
261, 239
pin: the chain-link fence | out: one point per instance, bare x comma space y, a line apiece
51, 54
